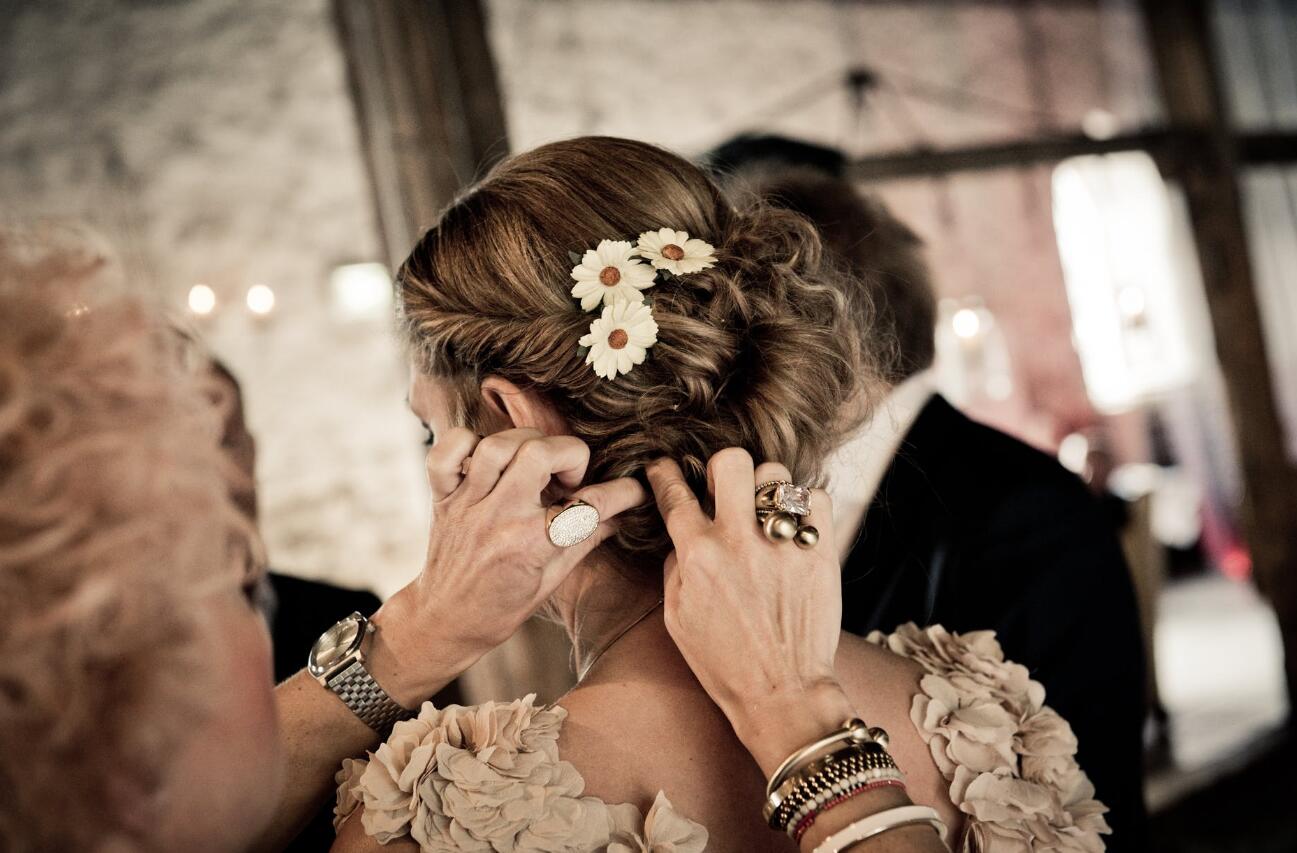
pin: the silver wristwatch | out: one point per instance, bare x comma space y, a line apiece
337, 661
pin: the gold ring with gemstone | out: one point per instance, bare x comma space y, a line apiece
782, 508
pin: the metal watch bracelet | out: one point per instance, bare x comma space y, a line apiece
337, 661
367, 700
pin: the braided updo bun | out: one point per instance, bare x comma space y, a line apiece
762, 350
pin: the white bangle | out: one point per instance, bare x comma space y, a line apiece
882, 822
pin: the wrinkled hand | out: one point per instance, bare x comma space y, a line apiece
490, 563
757, 621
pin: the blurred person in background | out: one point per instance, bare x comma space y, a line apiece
942, 520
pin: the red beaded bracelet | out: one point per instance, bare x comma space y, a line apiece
804, 825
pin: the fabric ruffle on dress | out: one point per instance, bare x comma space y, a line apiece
489, 778
1010, 759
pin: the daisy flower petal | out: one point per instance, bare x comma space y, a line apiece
620, 338
610, 273
675, 252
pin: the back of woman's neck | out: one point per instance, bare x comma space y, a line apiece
644, 653
605, 611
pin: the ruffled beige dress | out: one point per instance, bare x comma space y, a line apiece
489, 777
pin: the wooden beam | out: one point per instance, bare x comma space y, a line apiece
1170, 147
1182, 46
925, 162
1267, 149
427, 102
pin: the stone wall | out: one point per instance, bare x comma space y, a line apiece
213, 141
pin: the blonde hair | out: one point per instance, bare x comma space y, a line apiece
761, 351
115, 518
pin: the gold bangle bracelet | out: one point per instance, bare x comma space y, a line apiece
853, 730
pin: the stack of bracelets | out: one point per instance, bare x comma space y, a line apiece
831, 771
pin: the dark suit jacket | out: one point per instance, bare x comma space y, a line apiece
972, 529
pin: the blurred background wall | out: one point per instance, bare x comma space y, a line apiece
690, 75
214, 142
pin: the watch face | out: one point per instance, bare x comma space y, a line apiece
336, 644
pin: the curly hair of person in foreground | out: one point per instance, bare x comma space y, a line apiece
116, 528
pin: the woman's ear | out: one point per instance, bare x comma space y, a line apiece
517, 407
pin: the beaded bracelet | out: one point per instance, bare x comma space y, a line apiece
785, 818
832, 774
805, 818
867, 759
824, 772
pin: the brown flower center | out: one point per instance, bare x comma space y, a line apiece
618, 338
609, 276
672, 252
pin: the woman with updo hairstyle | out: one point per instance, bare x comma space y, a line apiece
751, 370
759, 351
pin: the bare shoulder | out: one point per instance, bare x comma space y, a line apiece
656, 730
882, 686
648, 726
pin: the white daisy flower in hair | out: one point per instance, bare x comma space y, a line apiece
610, 273
620, 338
675, 252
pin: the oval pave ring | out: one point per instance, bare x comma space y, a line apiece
782, 510
576, 522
